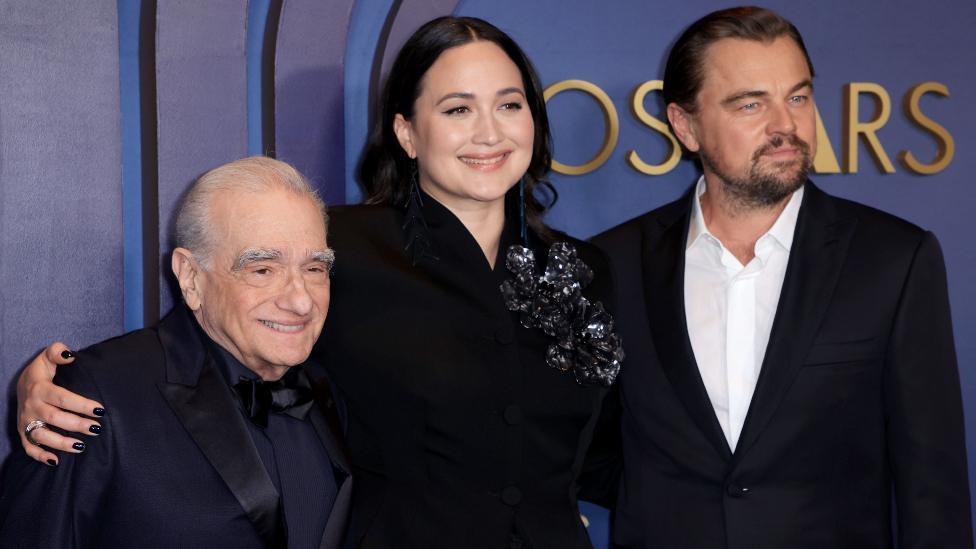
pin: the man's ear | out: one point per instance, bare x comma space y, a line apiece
189, 275
404, 134
683, 127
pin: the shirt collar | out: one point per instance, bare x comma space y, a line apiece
697, 228
231, 369
785, 224
782, 230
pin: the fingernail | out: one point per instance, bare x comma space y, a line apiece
99, 412
67, 354
80, 446
97, 429
52, 463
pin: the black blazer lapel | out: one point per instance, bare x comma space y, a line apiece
819, 248
204, 405
664, 270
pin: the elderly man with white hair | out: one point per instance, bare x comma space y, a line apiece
221, 435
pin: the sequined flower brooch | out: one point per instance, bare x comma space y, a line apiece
585, 340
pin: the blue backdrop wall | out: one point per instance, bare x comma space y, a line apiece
108, 110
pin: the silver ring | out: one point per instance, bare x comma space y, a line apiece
36, 424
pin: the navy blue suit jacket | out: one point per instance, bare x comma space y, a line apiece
858, 399
175, 465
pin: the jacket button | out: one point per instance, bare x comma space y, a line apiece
736, 491
504, 335
513, 414
511, 496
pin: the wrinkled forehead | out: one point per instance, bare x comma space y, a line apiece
281, 224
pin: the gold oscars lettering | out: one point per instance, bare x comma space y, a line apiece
859, 129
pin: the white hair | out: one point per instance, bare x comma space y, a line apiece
251, 174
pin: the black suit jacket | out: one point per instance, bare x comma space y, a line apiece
858, 398
461, 435
175, 465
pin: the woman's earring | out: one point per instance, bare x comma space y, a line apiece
523, 228
418, 244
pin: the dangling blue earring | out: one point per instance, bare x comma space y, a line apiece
523, 228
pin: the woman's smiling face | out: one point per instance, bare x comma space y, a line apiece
472, 131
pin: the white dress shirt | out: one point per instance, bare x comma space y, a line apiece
730, 309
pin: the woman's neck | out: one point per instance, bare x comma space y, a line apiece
484, 220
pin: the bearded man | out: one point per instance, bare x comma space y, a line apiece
790, 360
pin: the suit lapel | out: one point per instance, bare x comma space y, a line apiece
663, 259
204, 405
819, 248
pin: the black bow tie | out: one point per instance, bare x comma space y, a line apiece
292, 395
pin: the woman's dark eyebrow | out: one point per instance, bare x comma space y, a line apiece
469, 95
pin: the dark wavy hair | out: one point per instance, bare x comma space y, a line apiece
685, 68
385, 170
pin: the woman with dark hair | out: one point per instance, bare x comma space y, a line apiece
386, 169
472, 369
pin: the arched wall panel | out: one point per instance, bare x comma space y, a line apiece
409, 16
201, 93
309, 107
60, 181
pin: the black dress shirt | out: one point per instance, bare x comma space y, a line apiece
295, 459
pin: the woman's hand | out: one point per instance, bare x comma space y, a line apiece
38, 398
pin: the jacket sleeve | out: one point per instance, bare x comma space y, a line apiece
603, 464
59, 506
925, 433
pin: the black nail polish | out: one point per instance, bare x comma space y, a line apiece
52, 463
99, 412
97, 429
67, 354
80, 446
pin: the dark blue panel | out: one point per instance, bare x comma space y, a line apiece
366, 28
409, 16
257, 20
202, 100
308, 91
130, 112
370, 31
60, 180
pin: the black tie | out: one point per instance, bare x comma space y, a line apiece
292, 395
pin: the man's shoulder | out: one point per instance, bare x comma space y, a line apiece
630, 232
132, 345
872, 223
121, 361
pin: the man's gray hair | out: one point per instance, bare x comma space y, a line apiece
253, 174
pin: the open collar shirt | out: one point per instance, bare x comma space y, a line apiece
730, 308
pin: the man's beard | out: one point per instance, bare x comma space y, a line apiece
765, 188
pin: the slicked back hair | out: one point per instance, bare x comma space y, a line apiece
684, 72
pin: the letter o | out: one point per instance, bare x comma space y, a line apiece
610, 120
